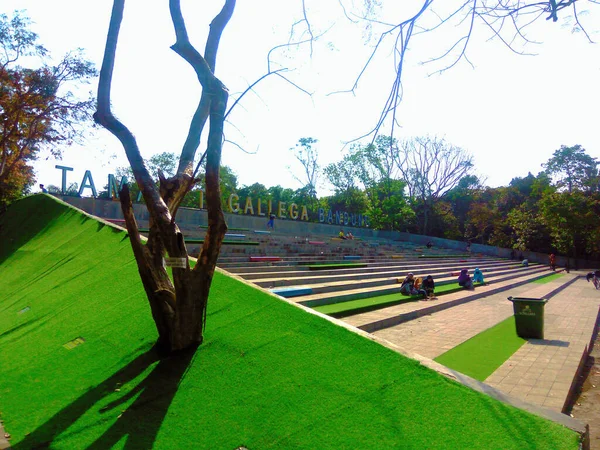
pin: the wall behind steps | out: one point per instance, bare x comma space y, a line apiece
190, 218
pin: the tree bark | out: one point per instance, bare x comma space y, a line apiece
179, 306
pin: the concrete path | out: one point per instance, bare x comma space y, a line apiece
542, 371
393, 315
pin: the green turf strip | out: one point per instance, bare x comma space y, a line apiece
268, 375
350, 307
481, 355
548, 278
336, 266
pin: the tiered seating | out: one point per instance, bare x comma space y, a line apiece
358, 280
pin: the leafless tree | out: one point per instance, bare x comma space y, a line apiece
307, 154
505, 20
431, 167
179, 306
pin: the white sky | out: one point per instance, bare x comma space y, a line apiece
511, 112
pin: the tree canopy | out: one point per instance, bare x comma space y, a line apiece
40, 105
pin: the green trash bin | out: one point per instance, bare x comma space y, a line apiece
529, 316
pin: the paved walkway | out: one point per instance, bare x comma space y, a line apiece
541, 371
380, 318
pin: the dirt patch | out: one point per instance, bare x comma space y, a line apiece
587, 405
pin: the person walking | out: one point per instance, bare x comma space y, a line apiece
271, 222
552, 262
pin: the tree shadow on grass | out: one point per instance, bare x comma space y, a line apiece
139, 423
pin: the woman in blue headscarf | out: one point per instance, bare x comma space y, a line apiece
477, 276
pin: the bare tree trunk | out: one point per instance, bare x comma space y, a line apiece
179, 306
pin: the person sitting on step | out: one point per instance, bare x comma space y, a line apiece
408, 285
464, 279
428, 287
477, 276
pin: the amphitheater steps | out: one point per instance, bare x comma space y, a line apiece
357, 290
393, 315
441, 330
372, 270
339, 287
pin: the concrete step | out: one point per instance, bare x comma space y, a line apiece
393, 315
379, 266
440, 278
375, 277
357, 290
289, 264
390, 268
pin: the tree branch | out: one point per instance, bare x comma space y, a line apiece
104, 117
200, 116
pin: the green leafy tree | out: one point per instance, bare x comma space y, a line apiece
342, 174
39, 109
372, 169
525, 224
573, 169
352, 200
459, 199
572, 220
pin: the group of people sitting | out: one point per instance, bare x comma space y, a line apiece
417, 286
466, 281
349, 235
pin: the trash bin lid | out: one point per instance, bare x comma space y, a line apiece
527, 299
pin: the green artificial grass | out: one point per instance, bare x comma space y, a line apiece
268, 375
350, 307
336, 266
481, 355
548, 278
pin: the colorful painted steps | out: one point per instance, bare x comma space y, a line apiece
292, 291
225, 242
234, 235
352, 257
262, 232
264, 258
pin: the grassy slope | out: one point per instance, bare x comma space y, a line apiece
268, 375
481, 355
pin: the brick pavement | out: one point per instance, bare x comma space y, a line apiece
390, 316
542, 371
